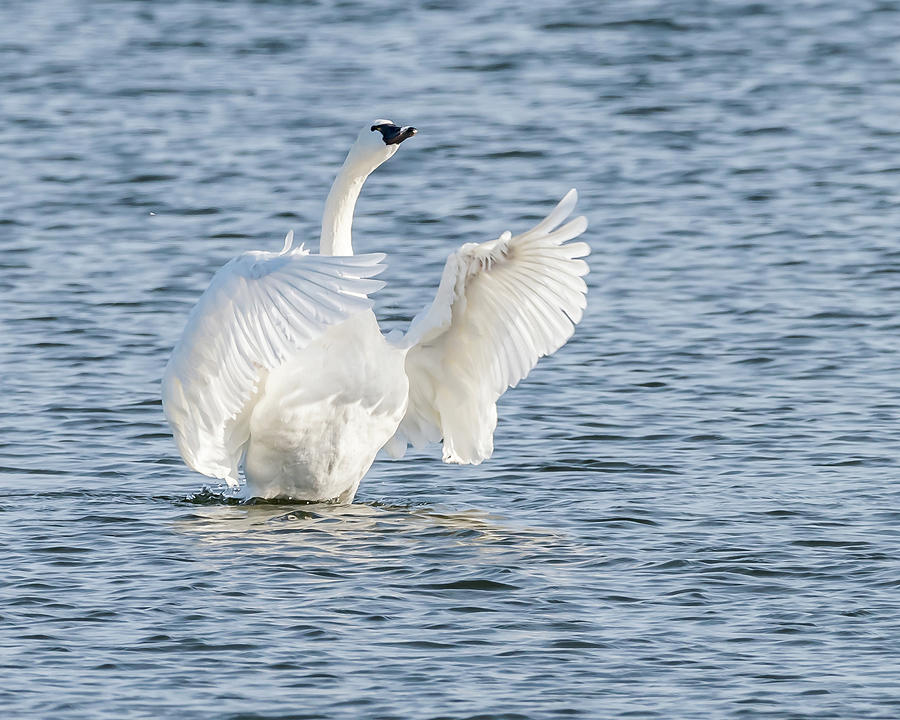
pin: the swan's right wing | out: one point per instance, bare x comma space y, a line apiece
501, 306
259, 309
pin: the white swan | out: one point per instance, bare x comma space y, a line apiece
282, 368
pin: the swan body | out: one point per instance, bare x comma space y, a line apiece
282, 369
324, 414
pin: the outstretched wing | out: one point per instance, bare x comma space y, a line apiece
501, 306
259, 309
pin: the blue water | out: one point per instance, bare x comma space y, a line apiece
692, 510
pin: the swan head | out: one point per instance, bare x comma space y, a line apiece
377, 142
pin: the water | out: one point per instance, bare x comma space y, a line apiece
692, 509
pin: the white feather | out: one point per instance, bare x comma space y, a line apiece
283, 372
259, 309
501, 305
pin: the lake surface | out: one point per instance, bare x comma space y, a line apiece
692, 510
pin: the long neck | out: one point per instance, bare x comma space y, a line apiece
338, 215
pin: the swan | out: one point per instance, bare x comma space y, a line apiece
282, 371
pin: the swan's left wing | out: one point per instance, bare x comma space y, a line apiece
259, 309
501, 306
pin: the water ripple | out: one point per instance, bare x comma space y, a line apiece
691, 508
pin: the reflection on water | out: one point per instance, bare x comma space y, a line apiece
342, 528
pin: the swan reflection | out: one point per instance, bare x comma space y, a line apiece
349, 528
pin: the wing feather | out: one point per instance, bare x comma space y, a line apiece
500, 307
259, 309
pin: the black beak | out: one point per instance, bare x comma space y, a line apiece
393, 134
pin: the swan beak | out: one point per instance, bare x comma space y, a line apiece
393, 134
